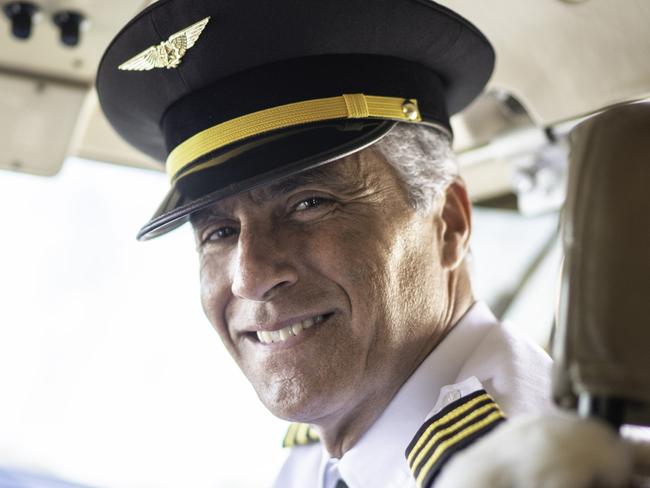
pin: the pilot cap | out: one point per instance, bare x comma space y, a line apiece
233, 94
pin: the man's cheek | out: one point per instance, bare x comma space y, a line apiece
207, 296
214, 316
213, 295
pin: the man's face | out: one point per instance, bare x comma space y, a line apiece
339, 267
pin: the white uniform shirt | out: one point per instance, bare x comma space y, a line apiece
479, 352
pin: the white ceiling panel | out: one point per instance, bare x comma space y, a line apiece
565, 59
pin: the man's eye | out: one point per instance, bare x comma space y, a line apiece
312, 202
221, 233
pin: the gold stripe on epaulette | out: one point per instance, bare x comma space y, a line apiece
443, 419
452, 429
355, 106
300, 435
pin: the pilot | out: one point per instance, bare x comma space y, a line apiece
309, 145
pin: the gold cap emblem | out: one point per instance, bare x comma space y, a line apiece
167, 54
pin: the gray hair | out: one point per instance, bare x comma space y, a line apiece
423, 158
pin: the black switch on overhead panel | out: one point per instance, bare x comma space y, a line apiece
69, 23
21, 15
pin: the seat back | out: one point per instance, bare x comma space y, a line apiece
602, 343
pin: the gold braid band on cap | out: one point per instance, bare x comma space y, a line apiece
357, 106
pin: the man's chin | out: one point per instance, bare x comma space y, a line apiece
297, 404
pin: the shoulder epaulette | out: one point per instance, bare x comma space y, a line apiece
455, 427
300, 435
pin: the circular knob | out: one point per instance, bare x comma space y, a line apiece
69, 23
21, 15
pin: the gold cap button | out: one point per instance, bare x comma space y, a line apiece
411, 111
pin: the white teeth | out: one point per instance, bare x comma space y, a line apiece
264, 336
308, 323
267, 337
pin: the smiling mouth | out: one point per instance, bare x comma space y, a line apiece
293, 330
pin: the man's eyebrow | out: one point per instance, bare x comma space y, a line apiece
327, 175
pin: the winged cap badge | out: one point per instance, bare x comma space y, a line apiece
168, 54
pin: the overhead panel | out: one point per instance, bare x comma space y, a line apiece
44, 82
44, 55
564, 59
38, 120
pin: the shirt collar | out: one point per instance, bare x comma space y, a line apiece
377, 459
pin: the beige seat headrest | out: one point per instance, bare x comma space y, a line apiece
603, 340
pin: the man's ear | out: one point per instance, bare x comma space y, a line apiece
457, 217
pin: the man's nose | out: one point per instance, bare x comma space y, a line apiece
263, 267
